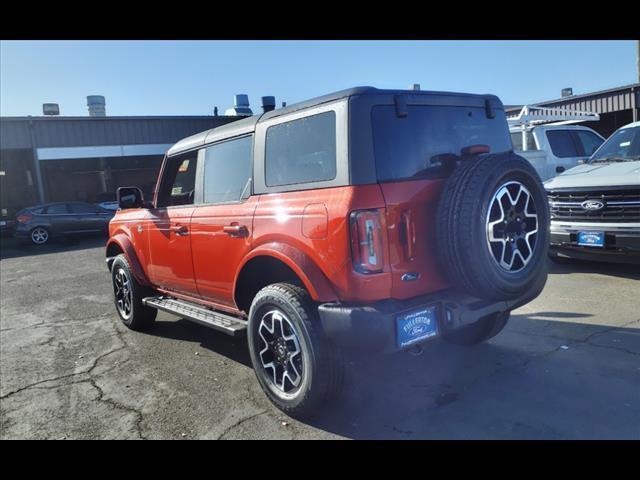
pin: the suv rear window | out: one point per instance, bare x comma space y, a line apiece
414, 146
301, 151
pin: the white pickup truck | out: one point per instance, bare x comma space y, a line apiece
547, 138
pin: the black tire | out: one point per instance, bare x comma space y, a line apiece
138, 316
480, 331
322, 367
471, 200
38, 233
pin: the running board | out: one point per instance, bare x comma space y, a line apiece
209, 318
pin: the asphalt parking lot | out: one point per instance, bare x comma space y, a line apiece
566, 367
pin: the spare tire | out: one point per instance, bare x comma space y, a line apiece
492, 227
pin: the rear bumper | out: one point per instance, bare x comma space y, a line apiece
373, 327
622, 242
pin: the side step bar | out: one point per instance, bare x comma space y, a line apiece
225, 323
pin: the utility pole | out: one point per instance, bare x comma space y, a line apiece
638, 59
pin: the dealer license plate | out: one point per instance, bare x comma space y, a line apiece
415, 326
591, 239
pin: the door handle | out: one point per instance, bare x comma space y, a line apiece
180, 230
235, 230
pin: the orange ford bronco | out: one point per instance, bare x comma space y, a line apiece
366, 219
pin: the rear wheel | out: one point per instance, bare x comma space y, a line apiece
480, 331
128, 295
39, 236
296, 367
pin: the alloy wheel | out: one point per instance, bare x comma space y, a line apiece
280, 352
123, 293
512, 226
39, 235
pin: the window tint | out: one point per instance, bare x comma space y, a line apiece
38, 210
589, 140
179, 181
57, 209
302, 150
516, 140
420, 144
562, 144
82, 208
227, 171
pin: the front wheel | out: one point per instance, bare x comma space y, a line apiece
295, 365
128, 295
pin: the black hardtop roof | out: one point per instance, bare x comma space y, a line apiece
247, 125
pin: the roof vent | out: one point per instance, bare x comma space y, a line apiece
240, 107
50, 109
96, 104
567, 92
414, 86
268, 103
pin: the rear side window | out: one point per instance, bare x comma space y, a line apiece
227, 171
57, 209
590, 141
416, 146
301, 151
562, 144
82, 208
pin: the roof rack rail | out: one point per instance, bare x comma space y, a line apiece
532, 115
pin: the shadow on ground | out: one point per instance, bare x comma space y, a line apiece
544, 388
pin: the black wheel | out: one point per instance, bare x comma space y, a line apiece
492, 227
39, 236
295, 366
128, 295
480, 331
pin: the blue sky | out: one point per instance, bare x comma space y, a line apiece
190, 77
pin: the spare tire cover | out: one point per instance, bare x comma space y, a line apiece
492, 227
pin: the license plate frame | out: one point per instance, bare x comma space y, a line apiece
416, 325
591, 238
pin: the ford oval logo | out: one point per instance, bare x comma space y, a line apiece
592, 205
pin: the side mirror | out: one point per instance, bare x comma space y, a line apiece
560, 169
130, 197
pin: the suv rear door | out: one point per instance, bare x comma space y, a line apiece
414, 153
222, 226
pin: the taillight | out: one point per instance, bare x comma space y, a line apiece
24, 218
366, 241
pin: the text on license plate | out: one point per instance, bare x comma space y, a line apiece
591, 239
415, 326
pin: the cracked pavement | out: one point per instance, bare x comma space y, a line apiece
566, 367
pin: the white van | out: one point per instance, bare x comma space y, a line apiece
547, 139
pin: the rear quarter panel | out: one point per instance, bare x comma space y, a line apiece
298, 219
